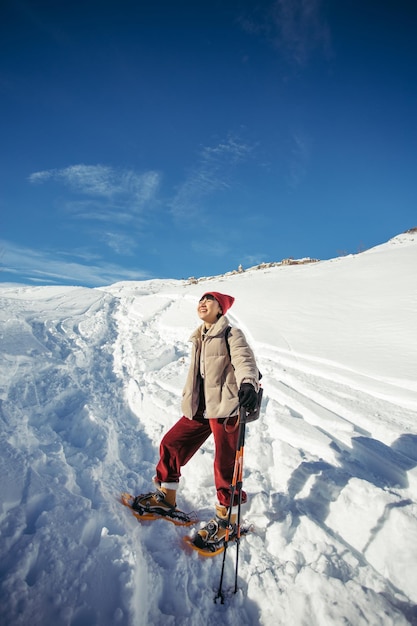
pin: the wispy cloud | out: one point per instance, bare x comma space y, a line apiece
212, 173
102, 182
296, 27
55, 267
120, 243
115, 202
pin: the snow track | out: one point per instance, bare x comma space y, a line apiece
91, 379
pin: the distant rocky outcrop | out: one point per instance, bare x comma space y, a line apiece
261, 266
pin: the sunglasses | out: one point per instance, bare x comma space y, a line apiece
208, 296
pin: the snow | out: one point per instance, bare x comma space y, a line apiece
90, 379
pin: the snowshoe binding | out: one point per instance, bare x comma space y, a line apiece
153, 505
211, 539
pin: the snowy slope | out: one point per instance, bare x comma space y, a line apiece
90, 379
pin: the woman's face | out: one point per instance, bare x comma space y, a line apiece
208, 309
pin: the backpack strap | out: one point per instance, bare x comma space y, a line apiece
226, 336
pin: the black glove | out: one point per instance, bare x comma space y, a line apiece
248, 397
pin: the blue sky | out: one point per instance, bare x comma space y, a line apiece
170, 139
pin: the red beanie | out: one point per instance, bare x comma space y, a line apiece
223, 299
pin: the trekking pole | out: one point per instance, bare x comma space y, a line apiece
237, 483
239, 488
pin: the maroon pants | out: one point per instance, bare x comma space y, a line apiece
182, 442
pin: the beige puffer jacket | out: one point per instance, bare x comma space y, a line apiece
221, 379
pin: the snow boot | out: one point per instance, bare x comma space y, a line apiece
160, 502
212, 535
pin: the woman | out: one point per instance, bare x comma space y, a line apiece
223, 376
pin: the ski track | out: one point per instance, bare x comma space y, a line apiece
81, 384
